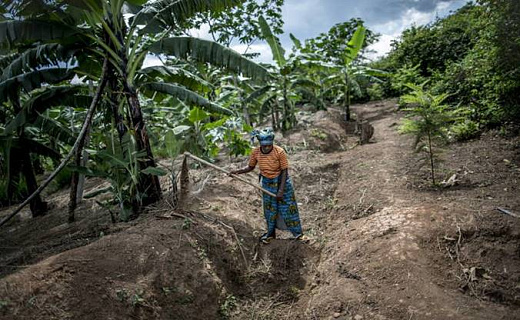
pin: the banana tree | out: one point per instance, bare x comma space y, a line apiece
130, 41
100, 25
23, 74
354, 46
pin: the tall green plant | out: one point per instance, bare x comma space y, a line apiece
428, 120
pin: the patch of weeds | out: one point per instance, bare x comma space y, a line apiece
186, 224
122, 295
362, 165
186, 298
201, 252
137, 298
330, 203
32, 301
4, 304
168, 290
291, 294
317, 133
227, 306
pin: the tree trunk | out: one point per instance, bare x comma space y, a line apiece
277, 116
148, 184
84, 162
75, 196
38, 207
347, 99
114, 105
430, 151
245, 110
286, 121
273, 120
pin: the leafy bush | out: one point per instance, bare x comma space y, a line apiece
404, 76
375, 92
63, 179
465, 130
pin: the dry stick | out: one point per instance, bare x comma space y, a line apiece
227, 172
238, 243
88, 118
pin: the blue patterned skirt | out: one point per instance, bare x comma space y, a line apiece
281, 214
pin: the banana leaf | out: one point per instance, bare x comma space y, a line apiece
209, 52
184, 95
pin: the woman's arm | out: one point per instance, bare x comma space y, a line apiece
244, 170
281, 186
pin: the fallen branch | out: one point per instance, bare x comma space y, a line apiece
86, 123
508, 213
238, 243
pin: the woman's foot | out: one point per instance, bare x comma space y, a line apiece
266, 239
302, 238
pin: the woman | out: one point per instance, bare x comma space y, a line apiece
281, 211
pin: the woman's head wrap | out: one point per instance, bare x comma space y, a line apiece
265, 136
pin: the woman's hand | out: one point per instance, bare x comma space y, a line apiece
234, 172
279, 196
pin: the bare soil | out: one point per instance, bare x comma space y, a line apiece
384, 243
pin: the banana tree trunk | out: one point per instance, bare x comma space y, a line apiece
38, 207
346, 99
273, 119
286, 121
322, 100
148, 184
114, 105
245, 110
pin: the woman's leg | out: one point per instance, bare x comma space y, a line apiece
270, 208
288, 209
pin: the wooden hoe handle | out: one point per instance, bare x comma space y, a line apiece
227, 172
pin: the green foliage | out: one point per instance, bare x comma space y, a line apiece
239, 24
119, 164
404, 76
332, 46
62, 180
428, 120
471, 55
375, 92
465, 130
227, 307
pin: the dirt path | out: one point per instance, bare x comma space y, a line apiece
385, 245
379, 261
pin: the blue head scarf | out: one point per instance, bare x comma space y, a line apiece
265, 136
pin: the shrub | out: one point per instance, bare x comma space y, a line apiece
465, 130
375, 92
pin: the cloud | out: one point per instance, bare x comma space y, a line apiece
152, 60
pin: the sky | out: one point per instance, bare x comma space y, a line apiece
308, 18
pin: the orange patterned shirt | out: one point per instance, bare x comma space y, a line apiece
272, 163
